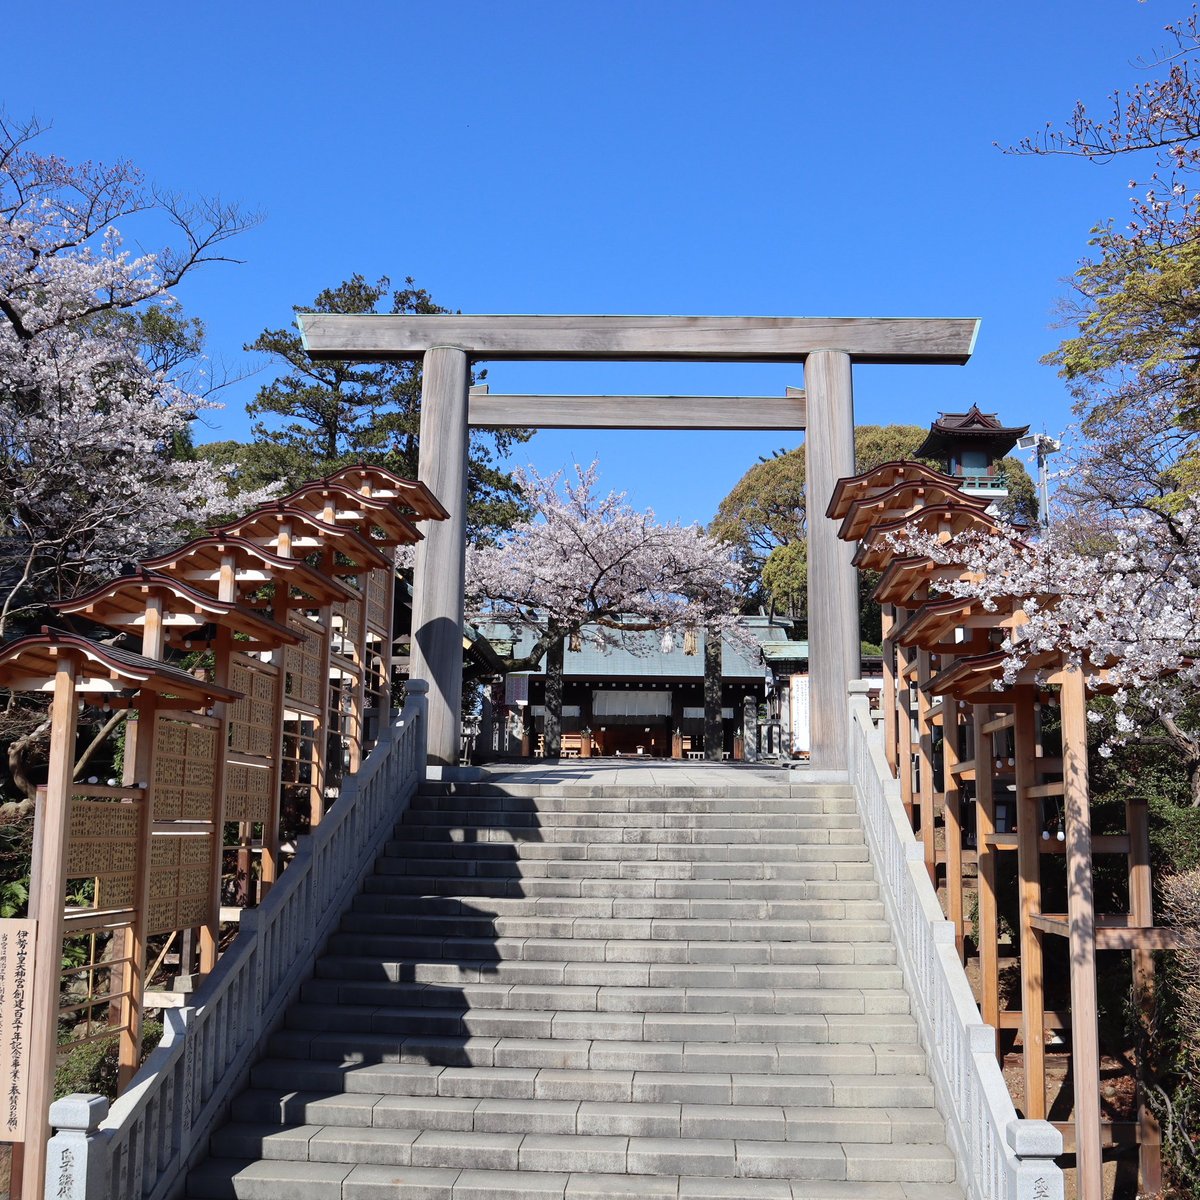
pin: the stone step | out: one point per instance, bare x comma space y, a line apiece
600, 851
712, 929
465, 887
598, 907
834, 863
427, 947
770, 834
424, 1080
334, 989
284, 1180
666, 820
589, 992
734, 1028
763, 978
612, 1154
581, 1053
265, 1107
788, 788
423, 802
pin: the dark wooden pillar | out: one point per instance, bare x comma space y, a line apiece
677, 721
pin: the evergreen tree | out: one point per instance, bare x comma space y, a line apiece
316, 417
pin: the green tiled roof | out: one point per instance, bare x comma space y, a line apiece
779, 651
642, 656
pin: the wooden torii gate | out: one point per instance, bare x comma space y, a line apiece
449, 344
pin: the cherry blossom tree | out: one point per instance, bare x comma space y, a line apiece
98, 385
1158, 119
1132, 467
590, 565
1127, 611
1133, 360
99, 380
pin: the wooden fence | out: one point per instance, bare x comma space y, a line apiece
990, 771
262, 678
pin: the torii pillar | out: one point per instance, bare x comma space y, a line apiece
834, 648
438, 581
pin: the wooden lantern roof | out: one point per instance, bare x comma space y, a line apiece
186, 611
975, 678
935, 622
266, 523
907, 497
199, 562
881, 479
970, 678
905, 580
382, 484
378, 520
29, 665
874, 553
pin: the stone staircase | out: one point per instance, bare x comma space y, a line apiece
583, 996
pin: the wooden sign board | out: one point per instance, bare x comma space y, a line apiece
17, 939
799, 700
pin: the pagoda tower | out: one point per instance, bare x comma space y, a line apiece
969, 446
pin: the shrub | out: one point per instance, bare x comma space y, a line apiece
92, 1066
1176, 1099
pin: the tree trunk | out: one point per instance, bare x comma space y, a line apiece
99, 740
1189, 745
19, 750
552, 720
714, 732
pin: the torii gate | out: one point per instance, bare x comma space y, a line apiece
448, 344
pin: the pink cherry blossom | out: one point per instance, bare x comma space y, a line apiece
592, 563
90, 416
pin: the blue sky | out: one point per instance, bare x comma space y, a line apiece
657, 156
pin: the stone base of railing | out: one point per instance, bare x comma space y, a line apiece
77, 1155
160, 1125
1035, 1144
819, 775
454, 774
1000, 1156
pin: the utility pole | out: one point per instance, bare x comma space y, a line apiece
1044, 445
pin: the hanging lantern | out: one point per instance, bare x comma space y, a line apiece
690, 641
575, 642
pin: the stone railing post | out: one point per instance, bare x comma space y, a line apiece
1036, 1144
859, 691
417, 694
77, 1158
418, 690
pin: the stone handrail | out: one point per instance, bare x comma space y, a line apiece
1000, 1157
160, 1125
